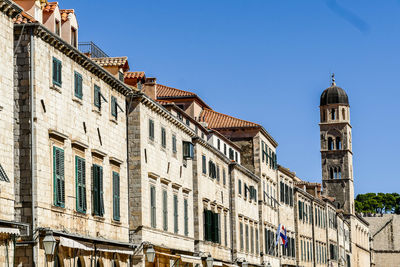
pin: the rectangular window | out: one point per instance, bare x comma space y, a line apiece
116, 196
57, 25
163, 137
59, 181
251, 239
226, 230
300, 210
225, 149
223, 177
217, 173
231, 154
151, 129
97, 97
282, 192
236, 157
176, 214
186, 216
266, 237
241, 237
240, 186
121, 76
73, 37
98, 199
247, 238
174, 143
114, 106
218, 144
165, 210
188, 150
153, 206
287, 202
78, 85
80, 181
57, 72
257, 245
291, 196
204, 164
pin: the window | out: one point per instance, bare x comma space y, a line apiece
153, 206
174, 143
151, 129
98, 199
338, 143
98, 96
257, 247
121, 76
343, 113
300, 210
116, 196
240, 186
291, 196
218, 144
245, 190
241, 236
165, 210
73, 37
218, 173
333, 114
176, 214
323, 116
187, 122
286, 194
186, 216
251, 239
223, 176
114, 106
212, 226
3, 175
80, 180
188, 150
57, 70
247, 238
204, 164
78, 85
231, 154
163, 137
236, 156
330, 143
212, 169
225, 149
57, 25
226, 230
282, 186
59, 182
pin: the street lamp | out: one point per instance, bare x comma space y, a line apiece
209, 261
150, 254
49, 244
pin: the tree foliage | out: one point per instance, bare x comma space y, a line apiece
378, 203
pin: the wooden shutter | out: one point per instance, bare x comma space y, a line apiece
186, 218
80, 172
114, 107
116, 196
97, 96
153, 206
176, 214
55, 71
101, 191
165, 210
59, 182
282, 187
95, 189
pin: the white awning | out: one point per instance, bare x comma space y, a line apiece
191, 259
217, 263
11, 231
112, 249
70, 243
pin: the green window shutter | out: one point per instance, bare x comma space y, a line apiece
97, 101
153, 206
101, 192
116, 196
176, 214
205, 223
165, 210
215, 227
114, 111
204, 160
151, 129
80, 180
240, 186
247, 238
241, 237
59, 182
266, 241
95, 190
163, 137
78, 85
174, 143
57, 70
186, 216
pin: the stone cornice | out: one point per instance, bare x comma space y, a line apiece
55, 41
245, 171
210, 147
10, 8
163, 112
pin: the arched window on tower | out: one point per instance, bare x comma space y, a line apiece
338, 143
335, 173
330, 143
344, 114
339, 173
333, 114
331, 172
323, 115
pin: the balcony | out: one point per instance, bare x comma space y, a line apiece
91, 50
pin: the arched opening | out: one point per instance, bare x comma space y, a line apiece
330, 143
331, 172
333, 114
323, 115
339, 173
335, 173
338, 143
344, 114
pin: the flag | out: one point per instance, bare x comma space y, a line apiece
283, 236
277, 235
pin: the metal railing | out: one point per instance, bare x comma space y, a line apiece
91, 49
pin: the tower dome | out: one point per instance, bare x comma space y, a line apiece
334, 95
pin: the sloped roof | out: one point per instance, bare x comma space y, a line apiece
121, 62
170, 92
134, 75
65, 13
50, 7
23, 18
218, 120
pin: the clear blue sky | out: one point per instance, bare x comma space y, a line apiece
268, 62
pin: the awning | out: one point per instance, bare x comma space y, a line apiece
217, 263
7, 230
191, 259
112, 249
70, 243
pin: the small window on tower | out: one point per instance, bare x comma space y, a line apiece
330, 143
344, 114
333, 114
323, 116
331, 173
338, 143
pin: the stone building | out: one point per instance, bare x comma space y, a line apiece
70, 142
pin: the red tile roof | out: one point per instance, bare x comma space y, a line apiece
218, 120
65, 13
134, 75
121, 62
170, 92
23, 18
50, 7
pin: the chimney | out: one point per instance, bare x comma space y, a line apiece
150, 88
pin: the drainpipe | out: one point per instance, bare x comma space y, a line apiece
33, 191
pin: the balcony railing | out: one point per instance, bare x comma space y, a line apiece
91, 49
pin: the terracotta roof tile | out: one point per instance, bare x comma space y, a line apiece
50, 7
65, 13
23, 18
166, 92
218, 120
121, 62
164, 102
135, 75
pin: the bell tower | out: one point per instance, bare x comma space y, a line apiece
336, 147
